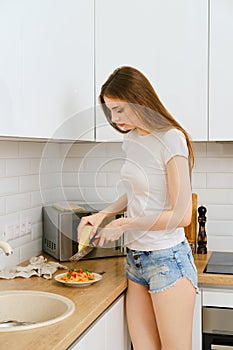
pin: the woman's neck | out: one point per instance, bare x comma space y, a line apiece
142, 132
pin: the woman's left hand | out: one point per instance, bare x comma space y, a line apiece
112, 231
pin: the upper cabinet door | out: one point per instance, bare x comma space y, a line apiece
221, 72
168, 42
47, 69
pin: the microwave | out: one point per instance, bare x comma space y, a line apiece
59, 232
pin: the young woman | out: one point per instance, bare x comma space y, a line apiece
161, 273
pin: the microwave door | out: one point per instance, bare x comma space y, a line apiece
65, 236
76, 218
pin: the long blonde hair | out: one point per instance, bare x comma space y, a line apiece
131, 86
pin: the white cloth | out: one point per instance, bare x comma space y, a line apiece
39, 266
145, 179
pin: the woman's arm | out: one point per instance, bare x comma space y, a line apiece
179, 215
117, 207
180, 194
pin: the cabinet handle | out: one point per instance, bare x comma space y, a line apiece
221, 347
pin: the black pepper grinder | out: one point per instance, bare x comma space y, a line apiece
202, 237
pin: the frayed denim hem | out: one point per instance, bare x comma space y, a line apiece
173, 285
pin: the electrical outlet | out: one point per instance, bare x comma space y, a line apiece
16, 230
29, 226
9, 231
23, 226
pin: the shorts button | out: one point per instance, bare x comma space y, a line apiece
138, 265
136, 257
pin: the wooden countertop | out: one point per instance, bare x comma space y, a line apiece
89, 302
210, 278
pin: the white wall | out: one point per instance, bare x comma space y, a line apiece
213, 182
34, 174
29, 177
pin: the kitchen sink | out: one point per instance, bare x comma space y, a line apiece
27, 309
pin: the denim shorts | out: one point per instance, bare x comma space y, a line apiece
160, 269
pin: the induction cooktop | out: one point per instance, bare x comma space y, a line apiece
220, 262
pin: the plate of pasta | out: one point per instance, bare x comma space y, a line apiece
78, 278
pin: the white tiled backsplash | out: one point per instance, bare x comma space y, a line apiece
33, 174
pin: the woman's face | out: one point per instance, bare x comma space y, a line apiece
123, 115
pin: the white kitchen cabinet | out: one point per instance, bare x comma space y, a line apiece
221, 72
47, 69
108, 332
94, 338
168, 42
218, 297
117, 336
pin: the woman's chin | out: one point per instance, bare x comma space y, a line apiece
125, 127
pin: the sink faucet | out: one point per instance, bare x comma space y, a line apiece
6, 248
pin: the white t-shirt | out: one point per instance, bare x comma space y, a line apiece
145, 179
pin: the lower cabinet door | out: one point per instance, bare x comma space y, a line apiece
109, 332
117, 336
94, 338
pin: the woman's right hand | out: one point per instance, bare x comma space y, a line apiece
94, 220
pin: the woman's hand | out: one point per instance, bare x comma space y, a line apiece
94, 220
113, 231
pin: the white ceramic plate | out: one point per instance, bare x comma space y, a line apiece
78, 284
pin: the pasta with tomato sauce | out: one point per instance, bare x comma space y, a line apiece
75, 275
